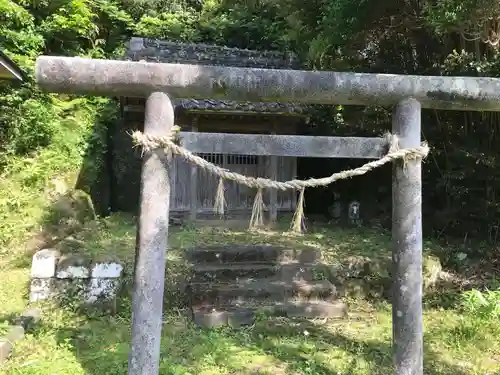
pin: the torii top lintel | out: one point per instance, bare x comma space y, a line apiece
136, 78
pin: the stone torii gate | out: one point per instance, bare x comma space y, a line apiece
157, 81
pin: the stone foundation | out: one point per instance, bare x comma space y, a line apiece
57, 276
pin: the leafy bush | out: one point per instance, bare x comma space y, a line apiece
26, 126
482, 305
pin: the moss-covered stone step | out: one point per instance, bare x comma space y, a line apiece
208, 316
249, 289
286, 271
249, 254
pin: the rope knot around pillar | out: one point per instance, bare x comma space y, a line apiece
396, 152
150, 142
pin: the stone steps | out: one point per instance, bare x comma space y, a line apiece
291, 270
241, 314
249, 254
255, 289
229, 284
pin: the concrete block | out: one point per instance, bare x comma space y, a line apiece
72, 266
44, 264
106, 270
5, 349
102, 289
41, 289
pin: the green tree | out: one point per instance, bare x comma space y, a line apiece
445, 37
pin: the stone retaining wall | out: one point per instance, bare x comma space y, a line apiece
56, 275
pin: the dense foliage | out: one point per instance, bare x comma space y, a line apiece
444, 37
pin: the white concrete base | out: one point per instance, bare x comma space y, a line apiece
53, 275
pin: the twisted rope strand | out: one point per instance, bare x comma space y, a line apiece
149, 142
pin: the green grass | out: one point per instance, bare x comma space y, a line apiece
68, 343
457, 341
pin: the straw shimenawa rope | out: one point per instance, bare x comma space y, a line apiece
298, 222
171, 144
220, 201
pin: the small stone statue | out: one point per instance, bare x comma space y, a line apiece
354, 213
335, 210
